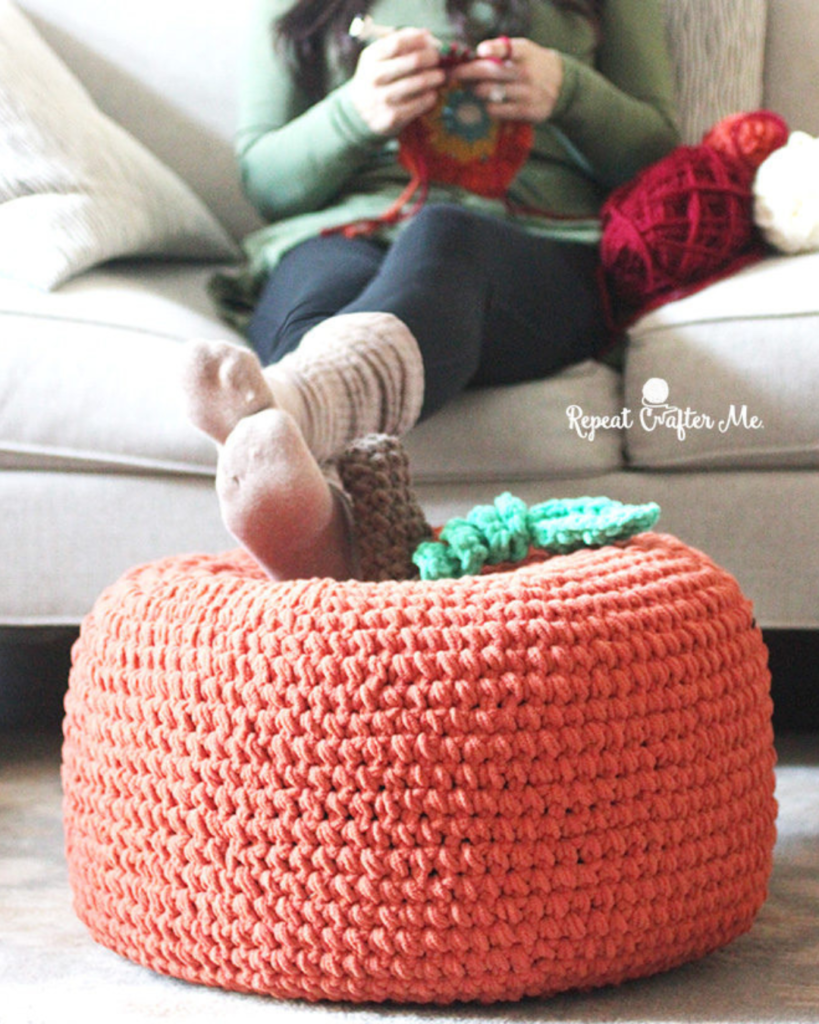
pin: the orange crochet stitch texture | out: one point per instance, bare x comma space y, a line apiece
511, 784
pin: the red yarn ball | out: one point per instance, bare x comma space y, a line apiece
748, 138
682, 222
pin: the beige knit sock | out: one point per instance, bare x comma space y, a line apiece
222, 383
352, 375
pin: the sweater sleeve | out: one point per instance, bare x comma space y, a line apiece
293, 156
620, 116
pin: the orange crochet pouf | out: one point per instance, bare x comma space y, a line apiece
557, 776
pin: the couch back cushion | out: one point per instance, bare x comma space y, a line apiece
718, 49
167, 71
792, 62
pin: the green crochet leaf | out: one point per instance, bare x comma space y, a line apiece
564, 525
505, 527
466, 545
506, 530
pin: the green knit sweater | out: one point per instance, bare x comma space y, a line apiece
310, 166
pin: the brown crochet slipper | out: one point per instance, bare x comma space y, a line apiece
388, 523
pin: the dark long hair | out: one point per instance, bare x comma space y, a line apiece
310, 24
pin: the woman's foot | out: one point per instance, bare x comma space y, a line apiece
223, 383
278, 505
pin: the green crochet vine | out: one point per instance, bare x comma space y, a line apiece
506, 530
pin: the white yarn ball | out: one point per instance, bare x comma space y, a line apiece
786, 195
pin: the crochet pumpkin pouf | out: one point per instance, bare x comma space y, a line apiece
510, 784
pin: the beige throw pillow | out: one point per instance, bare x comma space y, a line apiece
76, 189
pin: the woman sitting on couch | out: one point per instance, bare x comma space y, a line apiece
368, 332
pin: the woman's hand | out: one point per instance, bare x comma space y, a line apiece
397, 79
517, 79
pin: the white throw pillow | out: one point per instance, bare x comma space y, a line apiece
718, 50
75, 188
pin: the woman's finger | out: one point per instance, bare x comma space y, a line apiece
407, 65
414, 85
402, 41
484, 71
416, 106
503, 49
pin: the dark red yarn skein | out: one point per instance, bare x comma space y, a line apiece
685, 220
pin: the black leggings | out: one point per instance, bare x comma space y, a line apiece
488, 303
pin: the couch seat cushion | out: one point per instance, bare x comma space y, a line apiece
91, 381
521, 432
739, 362
91, 375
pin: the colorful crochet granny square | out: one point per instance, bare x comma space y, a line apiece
458, 143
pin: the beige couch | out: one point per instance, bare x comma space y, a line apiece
100, 470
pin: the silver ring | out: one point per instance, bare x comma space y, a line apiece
497, 94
